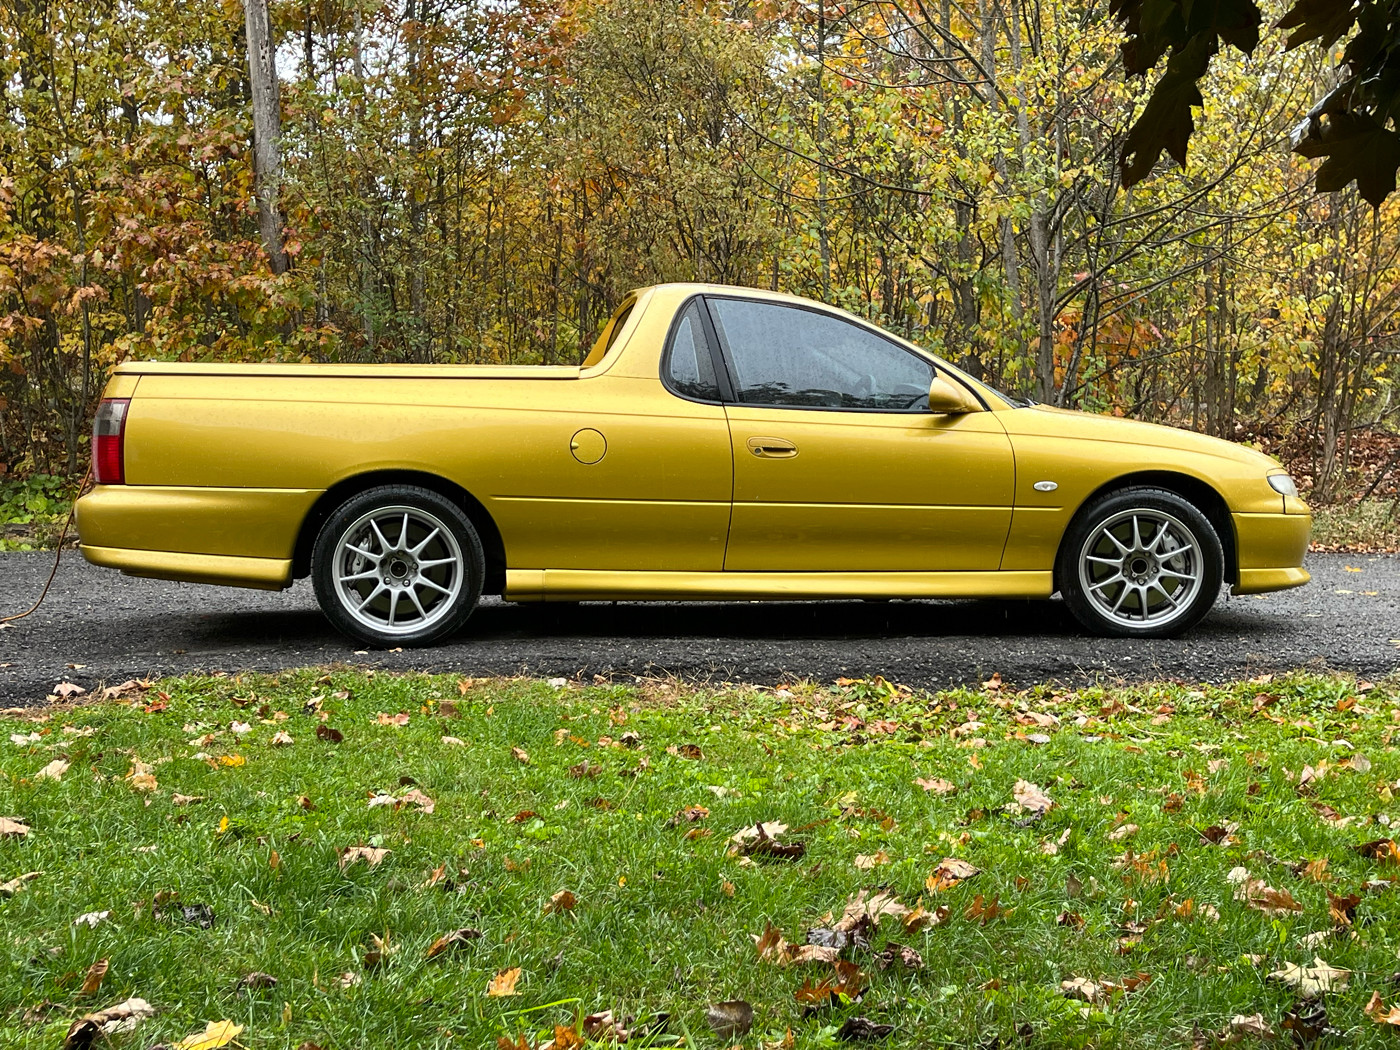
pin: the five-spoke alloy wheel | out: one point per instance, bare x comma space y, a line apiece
1140, 562
397, 565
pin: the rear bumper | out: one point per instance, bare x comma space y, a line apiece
238, 537
269, 574
1270, 548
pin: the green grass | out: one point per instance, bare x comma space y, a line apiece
664, 918
1368, 525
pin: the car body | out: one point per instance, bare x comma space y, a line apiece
717, 443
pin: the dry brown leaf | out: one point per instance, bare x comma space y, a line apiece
1081, 988
1312, 981
140, 777
730, 1020
520, 756
949, 873
983, 911
1249, 1026
178, 799
9, 889
918, 919
937, 786
859, 909
1031, 798
503, 984
93, 980
867, 861
1261, 897
414, 797
371, 855
53, 771
120, 1017
561, 901
282, 738
452, 940
1382, 1014
1123, 832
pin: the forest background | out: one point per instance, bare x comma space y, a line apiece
483, 180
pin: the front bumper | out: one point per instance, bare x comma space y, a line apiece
1270, 550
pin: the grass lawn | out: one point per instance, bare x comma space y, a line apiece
1199, 840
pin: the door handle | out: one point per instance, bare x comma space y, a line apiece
772, 448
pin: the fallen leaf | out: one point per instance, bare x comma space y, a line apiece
503, 984
1031, 798
384, 719
1251, 1026
93, 980
215, 1035
1122, 832
53, 771
983, 911
603, 1028
1380, 849
898, 953
1382, 1014
282, 738
91, 919
690, 751
937, 786
326, 733
949, 873
520, 756
414, 797
561, 901
452, 941
178, 799
9, 889
140, 777
761, 840
121, 1017
371, 855
454, 741
1081, 988
867, 861
256, 981
1312, 981
731, 1019
862, 1029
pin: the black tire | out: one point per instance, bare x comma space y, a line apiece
445, 588
1152, 589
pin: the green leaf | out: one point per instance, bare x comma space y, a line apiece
1166, 122
1357, 148
1327, 20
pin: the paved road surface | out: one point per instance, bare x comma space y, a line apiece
118, 628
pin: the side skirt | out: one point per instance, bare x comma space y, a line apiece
568, 585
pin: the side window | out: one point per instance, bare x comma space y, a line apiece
689, 369
783, 355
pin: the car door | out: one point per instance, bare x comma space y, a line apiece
839, 466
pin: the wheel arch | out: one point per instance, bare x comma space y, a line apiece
1200, 494
491, 543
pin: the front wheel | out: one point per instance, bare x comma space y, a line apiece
397, 565
1140, 563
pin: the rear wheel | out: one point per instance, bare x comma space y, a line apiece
397, 565
1141, 563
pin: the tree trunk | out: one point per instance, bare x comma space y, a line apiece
267, 130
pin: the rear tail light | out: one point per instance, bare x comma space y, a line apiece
108, 432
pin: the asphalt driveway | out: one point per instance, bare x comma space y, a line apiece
100, 626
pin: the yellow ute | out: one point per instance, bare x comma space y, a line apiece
716, 443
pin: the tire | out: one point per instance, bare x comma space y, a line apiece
1140, 563
383, 590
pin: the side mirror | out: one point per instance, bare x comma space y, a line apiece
950, 398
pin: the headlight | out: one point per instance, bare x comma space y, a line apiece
1283, 484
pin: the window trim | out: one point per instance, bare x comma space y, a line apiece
935, 366
707, 333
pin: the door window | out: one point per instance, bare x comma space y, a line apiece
785, 355
689, 369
